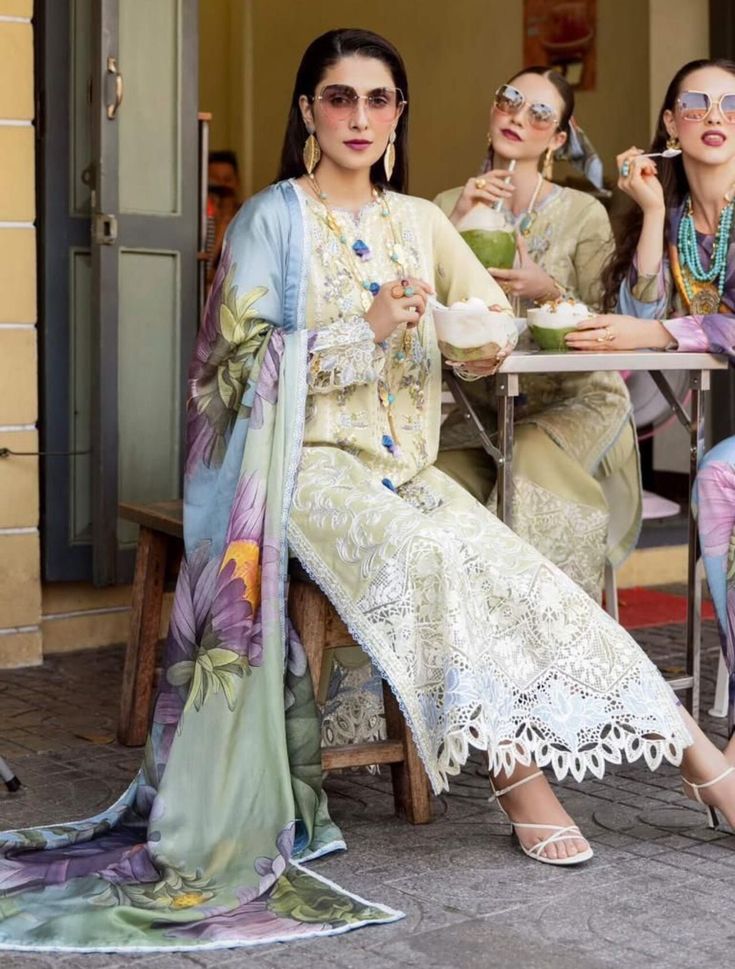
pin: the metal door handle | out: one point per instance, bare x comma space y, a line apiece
112, 69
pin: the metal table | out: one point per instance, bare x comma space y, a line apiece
656, 362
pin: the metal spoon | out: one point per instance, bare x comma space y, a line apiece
666, 153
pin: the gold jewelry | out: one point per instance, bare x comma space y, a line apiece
547, 168
608, 335
480, 182
311, 153
389, 158
673, 142
396, 292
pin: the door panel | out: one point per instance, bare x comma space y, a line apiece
150, 117
148, 390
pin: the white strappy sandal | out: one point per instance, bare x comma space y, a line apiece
713, 818
536, 852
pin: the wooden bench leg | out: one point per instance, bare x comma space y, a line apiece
145, 624
410, 783
307, 609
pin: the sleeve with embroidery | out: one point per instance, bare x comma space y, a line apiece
344, 354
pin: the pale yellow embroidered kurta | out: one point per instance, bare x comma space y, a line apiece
577, 493
483, 642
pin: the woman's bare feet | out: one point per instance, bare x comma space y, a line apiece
535, 803
703, 762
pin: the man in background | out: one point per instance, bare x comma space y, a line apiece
223, 202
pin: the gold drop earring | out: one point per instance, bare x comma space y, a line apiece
673, 143
389, 158
547, 169
311, 153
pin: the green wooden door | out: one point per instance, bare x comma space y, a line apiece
143, 264
118, 229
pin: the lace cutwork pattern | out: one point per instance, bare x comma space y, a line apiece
571, 535
484, 643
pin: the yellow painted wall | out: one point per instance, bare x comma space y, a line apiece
456, 55
20, 585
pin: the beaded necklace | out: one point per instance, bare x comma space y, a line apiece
688, 251
359, 252
355, 255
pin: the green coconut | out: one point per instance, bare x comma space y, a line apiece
462, 354
551, 338
496, 249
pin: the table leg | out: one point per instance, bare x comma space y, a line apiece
699, 384
507, 391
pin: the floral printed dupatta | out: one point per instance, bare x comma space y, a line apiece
203, 849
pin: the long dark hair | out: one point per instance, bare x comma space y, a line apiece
673, 181
320, 55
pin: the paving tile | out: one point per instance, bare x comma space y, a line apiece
658, 889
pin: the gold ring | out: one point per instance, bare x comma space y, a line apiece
480, 182
610, 336
397, 292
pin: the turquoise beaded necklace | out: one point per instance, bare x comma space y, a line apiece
689, 251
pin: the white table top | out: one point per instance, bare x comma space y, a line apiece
577, 361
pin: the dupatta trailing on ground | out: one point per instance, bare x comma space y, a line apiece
203, 849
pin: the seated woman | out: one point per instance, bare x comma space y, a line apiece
673, 280
576, 481
314, 425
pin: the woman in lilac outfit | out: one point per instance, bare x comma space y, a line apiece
673, 276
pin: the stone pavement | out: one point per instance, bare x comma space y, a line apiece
660, 888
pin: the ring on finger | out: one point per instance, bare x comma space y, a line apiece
397, 292
480, 182
409, 290
625, 169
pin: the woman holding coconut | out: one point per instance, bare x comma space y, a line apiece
576, 494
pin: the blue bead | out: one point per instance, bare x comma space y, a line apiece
391, 398
374, 288
388, 484
400, 355
361, 248
387, 441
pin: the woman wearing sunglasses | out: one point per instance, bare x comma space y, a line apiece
673, 280
574, 440
313, 424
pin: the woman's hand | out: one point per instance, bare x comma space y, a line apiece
481, 368
617, 332
391, 306
488, 188
529, 281
641, 181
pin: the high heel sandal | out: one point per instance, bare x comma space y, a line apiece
536, 852
713, 818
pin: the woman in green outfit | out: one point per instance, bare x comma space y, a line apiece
577, 494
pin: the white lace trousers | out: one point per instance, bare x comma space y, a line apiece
483, 641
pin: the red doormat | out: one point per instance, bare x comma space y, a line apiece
641, 607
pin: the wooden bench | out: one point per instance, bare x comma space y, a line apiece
160, 548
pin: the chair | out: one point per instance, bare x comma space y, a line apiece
160, 547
